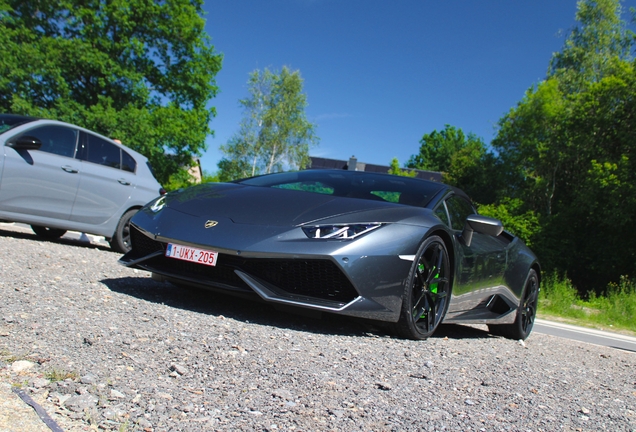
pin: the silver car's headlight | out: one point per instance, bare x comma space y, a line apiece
158, 205
339, 231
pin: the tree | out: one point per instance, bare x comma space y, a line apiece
532, 143
141, 71
462, 159
516, 218
438, 148
274, 133
591, 48
568, 148
599, 211
395, 169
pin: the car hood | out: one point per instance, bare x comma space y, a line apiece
256, 205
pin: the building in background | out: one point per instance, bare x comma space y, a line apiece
195, 170
353, 165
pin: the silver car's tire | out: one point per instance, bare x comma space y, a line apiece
121, 240
427, 292
48, 233
526, 313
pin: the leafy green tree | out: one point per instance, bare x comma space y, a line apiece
274, 133
395, 169
183, 179
600, 212
568, 149
516, 218
210, 177
141, 71
463, 161
532, 141
592, 48
438, 148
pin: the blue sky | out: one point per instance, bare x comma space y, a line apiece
380, 74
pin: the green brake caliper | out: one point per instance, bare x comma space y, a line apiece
433, 286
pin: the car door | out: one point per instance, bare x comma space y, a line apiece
481, 266
104, 188
41, 182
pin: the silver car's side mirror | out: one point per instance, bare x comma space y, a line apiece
481, 224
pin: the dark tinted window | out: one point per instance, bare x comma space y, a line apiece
440, 212
355, 184
102, 152
315, 187
9, 121
59, 140
152, 170
459, 209
127, 162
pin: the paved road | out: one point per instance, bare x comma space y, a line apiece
597, 337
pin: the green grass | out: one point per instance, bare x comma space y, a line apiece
614, 310
60, 375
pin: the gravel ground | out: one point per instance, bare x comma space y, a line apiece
101, 346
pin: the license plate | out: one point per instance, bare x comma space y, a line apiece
186, 253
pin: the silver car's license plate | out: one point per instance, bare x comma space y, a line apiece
186, 253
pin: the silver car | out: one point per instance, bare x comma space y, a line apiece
56, 177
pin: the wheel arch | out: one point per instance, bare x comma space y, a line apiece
407, 325
537, 268
135, 207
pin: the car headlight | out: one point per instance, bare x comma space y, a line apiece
158, 205
339, 231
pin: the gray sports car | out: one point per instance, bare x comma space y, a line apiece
410, 252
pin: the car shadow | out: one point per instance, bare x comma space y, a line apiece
61, 240
253, 310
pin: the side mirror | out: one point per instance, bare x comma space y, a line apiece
481, 224
25, 142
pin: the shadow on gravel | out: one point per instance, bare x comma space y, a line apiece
64, 241
259, 312
457, 331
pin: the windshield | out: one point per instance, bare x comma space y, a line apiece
353, 184
9, 121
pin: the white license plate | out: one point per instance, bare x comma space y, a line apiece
186, 253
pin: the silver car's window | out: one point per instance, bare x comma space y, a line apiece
458, 209
127, 162
103, 152
9, 121
59, 140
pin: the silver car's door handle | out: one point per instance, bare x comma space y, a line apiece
69, 169
123, 181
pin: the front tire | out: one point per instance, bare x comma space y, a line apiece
526, 313
48, 233
427, 293
121, 240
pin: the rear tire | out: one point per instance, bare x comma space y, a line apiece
47, 233
427, 293
121, 240
526, 313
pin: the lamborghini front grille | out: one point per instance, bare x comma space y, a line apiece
314, 278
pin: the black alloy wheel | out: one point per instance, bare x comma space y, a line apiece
526, 313
121, 240
427, 293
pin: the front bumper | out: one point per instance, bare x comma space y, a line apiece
337, 277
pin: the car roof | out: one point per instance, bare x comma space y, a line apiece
22, 119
